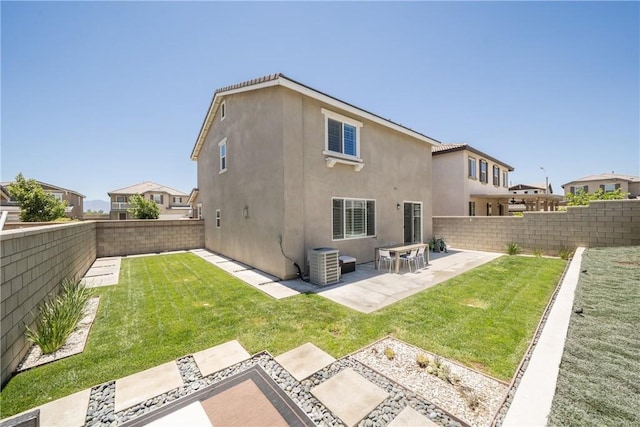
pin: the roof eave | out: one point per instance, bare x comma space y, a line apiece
284, 81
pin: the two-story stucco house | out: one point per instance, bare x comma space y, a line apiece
173, 204
284, 168
629, 184
468, 182
73, 199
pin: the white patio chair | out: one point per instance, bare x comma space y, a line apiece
385, 255
411, 257
421, 257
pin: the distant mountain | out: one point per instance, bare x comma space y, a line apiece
97, 205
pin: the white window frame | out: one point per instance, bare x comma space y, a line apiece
334, 157
344, 216
159, 199
505, 178
218, 218
486, 171
495, 169
223, 159
223, 110
472, 173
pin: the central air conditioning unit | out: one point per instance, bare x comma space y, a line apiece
324, 266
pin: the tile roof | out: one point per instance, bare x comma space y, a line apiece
452, 147
147, 186
606, 176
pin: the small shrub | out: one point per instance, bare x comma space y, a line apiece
388, 351
471, 398
423, 360
537, 252
565, 253
513, 248
58, 316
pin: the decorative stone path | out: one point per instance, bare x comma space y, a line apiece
203, 387
103, 272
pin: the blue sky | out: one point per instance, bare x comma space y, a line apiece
98, 96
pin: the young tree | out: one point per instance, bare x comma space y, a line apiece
142, 208
580, 198
35, 204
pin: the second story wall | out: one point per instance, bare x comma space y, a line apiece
450, 184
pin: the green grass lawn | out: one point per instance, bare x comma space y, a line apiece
169, 306
599, 378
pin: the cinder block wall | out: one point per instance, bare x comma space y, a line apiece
602, 223
148, 236
33, 263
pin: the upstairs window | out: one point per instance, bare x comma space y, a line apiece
505, 178
496, 176
218, 218
472, 168
158, 198
223, 155
353, 218
483, 172
223, 110
177, 199
57, 196
342, 135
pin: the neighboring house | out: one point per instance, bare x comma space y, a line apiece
533, 197
173, 203
195, 205
468, 182
606, 182
284, 168
73, 198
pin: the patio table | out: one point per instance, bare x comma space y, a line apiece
399, 249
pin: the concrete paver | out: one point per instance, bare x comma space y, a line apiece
532, 401
192, 415
349, 395
66, 412
103, 272
220, 357
144, 385
409, 417
304, 360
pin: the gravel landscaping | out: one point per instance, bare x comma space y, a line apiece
471, 387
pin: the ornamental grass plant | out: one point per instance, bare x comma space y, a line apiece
59, 316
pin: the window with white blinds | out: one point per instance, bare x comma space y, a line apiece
353, 218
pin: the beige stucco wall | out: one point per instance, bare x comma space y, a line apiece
276, 169
450, 184
254, 180
602, 223
34, 262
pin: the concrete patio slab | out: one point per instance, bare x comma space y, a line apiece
532, 401
367, 289
304, 360
222, 356
349, 395
103, 272
144, 385
192, 415
409, 417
